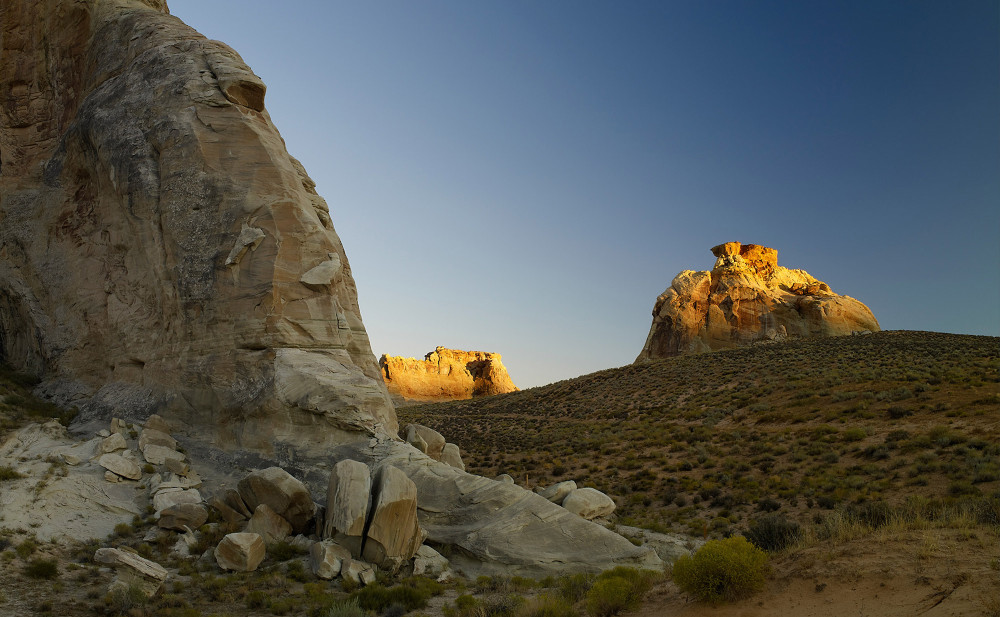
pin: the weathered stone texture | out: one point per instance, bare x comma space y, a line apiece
446, 374
747, 297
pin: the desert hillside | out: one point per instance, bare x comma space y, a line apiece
703, 444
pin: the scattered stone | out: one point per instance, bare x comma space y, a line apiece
284, 494
120, 465
357, 570
327, 558
348, 498
589, 503
158, 455
183, 515
178, 466
425, 439
112, 443
393, 532
242, 552
271, 527
557, 492
175, 497
451, 455
302, 543
118, 426
150, 436
70, 459
111, 476
133, 570
429, 562
228, 514
186, 542
104, 433
156, 423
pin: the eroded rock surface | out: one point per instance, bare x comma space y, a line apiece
446, 375
160, 250
747, 297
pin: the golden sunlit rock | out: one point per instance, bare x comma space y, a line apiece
446, 374
748, 297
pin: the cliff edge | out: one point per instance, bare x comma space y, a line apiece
446, 375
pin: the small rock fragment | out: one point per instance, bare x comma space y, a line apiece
327, 558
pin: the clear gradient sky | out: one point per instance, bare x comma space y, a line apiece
526, 176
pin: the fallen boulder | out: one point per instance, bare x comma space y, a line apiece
183, 516
327, 558
348, 499
133, 571
121, 466
557, 492
425, 439
393, 534
287, 496
268, 524
242, 552
589, 503
451, 455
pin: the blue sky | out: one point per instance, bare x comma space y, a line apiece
526, 177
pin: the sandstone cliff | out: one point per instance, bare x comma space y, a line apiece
446, 375
159, 247
747, 297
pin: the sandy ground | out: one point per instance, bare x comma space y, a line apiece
932, 573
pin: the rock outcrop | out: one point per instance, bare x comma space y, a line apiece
446, 375
747, 297
160, 250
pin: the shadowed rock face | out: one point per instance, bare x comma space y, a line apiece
446, 375
160, 250
747, 297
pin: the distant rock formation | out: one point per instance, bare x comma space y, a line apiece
160, 250
446, 375
747, 297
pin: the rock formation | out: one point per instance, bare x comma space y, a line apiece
446, 375
745, 298
159, 247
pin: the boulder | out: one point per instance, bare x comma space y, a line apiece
228, 514
589, 503
156, 423
158, 455
164, 236
183, 515
119, 426
133, 570
429, 562
505, 478
500, 528
120, 465
242, 552
358, 571
326, 559
425, 439
177, 465
557, 492
746, 298
113, 443
348, 499
445, 375
288, 497
451, 455
150, 436
169, 497
268, 524
393, 534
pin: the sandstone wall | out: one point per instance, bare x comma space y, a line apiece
446, 375
747, 297
160, 250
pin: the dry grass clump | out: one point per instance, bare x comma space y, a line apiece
706, 444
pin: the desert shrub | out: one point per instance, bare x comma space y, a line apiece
123, 599
547, 605
296, 571
346, 608
123, 529
283, 551
42, 568
722, 570
773, 532
26, 548
8, 473
394, 610
376, 597
574, 587
257, 599
618, 590
768, 504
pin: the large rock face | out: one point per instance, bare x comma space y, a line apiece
747, 297
160, 250
446, 375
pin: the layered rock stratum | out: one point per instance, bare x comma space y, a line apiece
446, 375
160, 250
747, 297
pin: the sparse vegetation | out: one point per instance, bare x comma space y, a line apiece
42, 568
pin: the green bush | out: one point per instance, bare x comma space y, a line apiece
123, 599
773, 532
618, 590
574, 587
42, 568
9, 473
722, 570
377, 598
